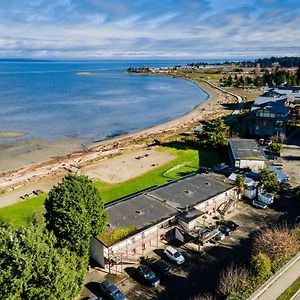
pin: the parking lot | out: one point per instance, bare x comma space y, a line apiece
199, 274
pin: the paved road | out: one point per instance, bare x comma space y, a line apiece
282, 283
236, 112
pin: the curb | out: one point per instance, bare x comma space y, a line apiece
274, 277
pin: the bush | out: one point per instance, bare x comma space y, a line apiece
260, 266
297, 233
276, 147
233, 280
268, 180
279, 243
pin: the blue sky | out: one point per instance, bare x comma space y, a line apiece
149, 28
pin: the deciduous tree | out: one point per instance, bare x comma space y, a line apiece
233, 280
279, 243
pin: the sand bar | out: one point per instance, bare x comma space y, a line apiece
11, 134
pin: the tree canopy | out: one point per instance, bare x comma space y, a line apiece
214, 134
32, 268
75, 212
268, 180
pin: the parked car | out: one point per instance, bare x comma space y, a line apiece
174, 255
204, 232
259, 204
111, 291
232, 225
147, 276
225, 229
159, 266
268, 142
220, 236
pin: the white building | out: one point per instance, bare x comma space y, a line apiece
246, 153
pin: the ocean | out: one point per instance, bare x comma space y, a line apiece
90, 100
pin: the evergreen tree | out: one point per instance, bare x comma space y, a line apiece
214, 134
268, 180
31, 267
75, 212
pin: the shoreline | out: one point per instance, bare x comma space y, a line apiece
210, 108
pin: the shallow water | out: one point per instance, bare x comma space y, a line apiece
89, 100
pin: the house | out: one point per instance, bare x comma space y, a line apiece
177, 209
269, 116
250, 190
246, 153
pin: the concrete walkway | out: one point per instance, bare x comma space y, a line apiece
282, 283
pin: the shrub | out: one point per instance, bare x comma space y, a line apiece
279, 243
276, 147
296, 231
260, 266
268, 180
233, 280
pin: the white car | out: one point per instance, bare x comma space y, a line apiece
174, 255
259, 204
220, 236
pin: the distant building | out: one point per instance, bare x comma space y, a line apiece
269, 116
246, 153
173, 211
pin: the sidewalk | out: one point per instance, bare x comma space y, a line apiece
281, 283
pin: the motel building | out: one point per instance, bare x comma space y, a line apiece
176, 210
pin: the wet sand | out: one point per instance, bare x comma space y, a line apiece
35, 160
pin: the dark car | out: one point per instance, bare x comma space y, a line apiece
148, 276
232, 225
159, 266
111, 291
204, 232
226, 230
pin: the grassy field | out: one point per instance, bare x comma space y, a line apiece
186, 161
18, 214
291, 291
213, 77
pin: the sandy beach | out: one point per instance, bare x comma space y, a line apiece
23, 167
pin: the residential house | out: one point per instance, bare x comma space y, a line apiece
246, 153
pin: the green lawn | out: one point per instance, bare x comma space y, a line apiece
18, 214
215, 77
291, 291
186, 161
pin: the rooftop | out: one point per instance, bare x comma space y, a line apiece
138, 211
272, 104
246, 149
192, 190
190, 215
